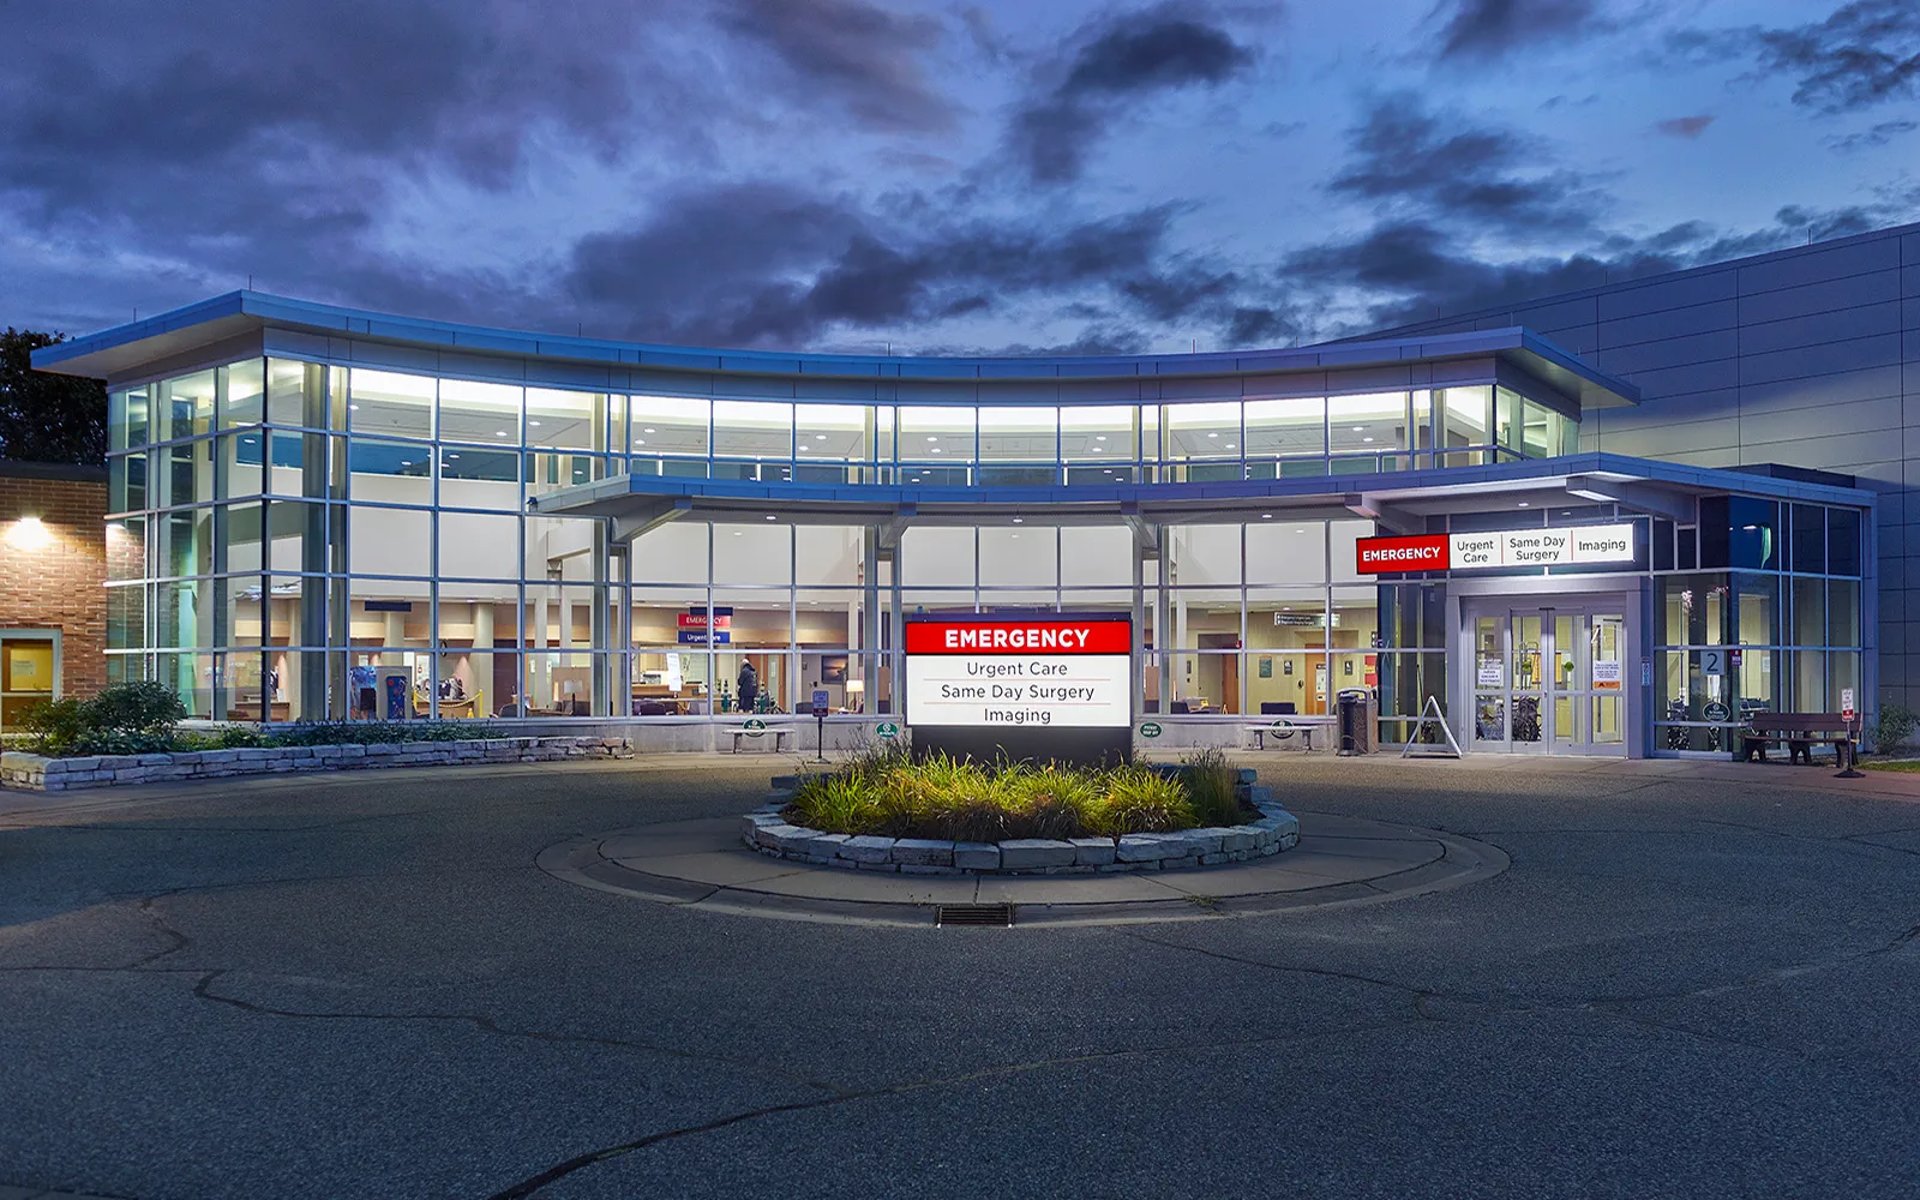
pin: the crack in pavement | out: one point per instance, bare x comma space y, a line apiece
203, 989
534, 1183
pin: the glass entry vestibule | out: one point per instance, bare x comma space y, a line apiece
1549, 675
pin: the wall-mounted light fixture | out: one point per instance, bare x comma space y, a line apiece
29, 534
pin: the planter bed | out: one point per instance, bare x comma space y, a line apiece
1275, 830
38, 773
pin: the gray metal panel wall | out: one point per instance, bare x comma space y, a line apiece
1809, 357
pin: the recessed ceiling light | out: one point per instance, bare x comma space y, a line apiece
771, 517
1300, 530
639, 441
535, 424
819, 437
353, 408
1019, 520
1524, 504
1213, 435
1366, 439
1266, 516
1359, 428
500, 433
1099, 437
1232, 446
648, 429
1096, 449
932, 438
936, 449
736, 533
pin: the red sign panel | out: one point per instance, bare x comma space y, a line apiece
1026, 635
699, 620
1422, 552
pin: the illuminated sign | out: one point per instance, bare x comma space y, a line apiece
1577, 545
1048, 671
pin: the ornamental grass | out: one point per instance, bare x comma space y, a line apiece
885, 793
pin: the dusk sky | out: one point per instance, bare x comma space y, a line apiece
992, 176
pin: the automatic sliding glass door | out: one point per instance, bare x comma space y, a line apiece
1549, 680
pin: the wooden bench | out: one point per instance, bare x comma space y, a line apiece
776, 732
1798, 730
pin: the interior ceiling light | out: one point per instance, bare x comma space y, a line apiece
1213, 435
639, 441
1359, 428
535, 424
1233, 446
1019, 520
1099, 437
353, 408
1266, 516
932, 438
1366, 439
500, 433
648, 429
1524, 504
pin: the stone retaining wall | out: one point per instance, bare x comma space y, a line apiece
36, 773
1275, 830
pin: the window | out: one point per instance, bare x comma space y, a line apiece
29, 672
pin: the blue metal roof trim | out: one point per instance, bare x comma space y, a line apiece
450, 335
1333, 487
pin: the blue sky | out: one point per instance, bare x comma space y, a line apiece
932, 177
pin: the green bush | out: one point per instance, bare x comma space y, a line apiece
1140, 799
1893, 724
127, 718
373, 733
1212, 784
886, 794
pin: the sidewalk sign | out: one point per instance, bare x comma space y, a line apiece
1431, 713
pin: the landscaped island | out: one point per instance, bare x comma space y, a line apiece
883, 812
890, 795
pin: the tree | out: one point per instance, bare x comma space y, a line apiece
43, 417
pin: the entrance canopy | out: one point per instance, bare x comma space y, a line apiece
1399, 501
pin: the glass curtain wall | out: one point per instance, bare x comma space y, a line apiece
1757, 608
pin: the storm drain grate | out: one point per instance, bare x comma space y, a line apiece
973, 914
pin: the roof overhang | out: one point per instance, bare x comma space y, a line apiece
131, 351
1398, 500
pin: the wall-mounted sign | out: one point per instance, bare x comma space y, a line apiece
700, 637
1606, 674
1510, 548
1490, 675
722, 619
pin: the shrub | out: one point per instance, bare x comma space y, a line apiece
1141, 800
142, 707
1893, 724
1049, 802
1212, 784
127, 718
372, 733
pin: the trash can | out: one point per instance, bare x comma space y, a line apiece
1355, 716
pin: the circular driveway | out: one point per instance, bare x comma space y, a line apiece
1698, 981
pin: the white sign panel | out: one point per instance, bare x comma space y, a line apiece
1049, 672
1541, 547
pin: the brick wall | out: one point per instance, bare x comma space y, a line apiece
57, 584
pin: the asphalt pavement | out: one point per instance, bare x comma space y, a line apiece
1699, 983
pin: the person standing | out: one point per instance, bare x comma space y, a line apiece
747, 683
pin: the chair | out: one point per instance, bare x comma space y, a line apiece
651, 708
1179, 708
